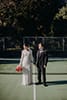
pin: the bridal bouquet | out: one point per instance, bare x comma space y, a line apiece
19, 68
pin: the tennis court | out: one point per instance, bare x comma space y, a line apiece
12, 89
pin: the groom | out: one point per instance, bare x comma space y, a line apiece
41, 61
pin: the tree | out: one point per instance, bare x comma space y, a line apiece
28, 17
59, 24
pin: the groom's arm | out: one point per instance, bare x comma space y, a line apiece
45, 58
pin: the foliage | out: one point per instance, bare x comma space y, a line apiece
59, 23
28, 17
62, 13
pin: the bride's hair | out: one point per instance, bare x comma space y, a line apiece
26, 44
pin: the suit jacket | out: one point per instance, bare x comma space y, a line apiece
42, 58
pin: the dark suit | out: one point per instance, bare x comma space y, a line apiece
42, 59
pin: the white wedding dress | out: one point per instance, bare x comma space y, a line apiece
26, 62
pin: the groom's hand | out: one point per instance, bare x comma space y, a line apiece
45, 66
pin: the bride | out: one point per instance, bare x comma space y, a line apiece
26, 62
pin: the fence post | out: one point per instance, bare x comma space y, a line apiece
3, 39
63, 41
23, 40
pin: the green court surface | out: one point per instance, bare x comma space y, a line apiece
12, 89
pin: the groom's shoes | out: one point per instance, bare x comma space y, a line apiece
45, 84
38, 83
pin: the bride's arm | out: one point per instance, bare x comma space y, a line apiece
31, 55
21, 59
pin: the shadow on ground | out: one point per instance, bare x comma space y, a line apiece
50, 83
59, 82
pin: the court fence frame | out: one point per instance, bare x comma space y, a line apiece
54, 45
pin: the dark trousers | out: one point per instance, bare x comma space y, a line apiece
43, 71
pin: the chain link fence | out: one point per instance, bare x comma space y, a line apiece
56, 46
51, 43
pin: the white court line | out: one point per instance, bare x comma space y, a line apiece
34, 85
